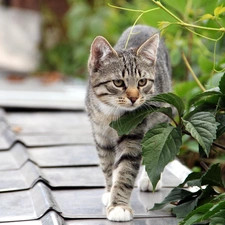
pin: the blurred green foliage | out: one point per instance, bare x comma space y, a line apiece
81, 24
88, 18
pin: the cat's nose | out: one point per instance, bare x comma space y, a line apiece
133, 99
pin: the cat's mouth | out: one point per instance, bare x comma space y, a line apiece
131, 107
130, 103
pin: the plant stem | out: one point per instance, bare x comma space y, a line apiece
201, 27
214, 143
164, 8
182, 23
133, 10
219, 145
214, 55
192, 72
131, 31
205, 167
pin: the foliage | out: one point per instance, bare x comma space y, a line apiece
202, 118
205, 122
200, 123
84, 21
204, 204
186, 30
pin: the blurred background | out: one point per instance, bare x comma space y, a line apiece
44, 47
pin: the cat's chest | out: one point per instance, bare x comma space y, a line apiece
104, 134
102, 126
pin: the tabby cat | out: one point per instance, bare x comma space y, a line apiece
121, 80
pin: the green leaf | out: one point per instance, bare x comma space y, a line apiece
214, 209
171, 99
193, 179
175, 195
209, 104
160, 145
206, 17
219, 10
220, 117
222, 84
126, 123
196, 215
203, 96
202, 126
203, 197
130, 120
207, 193
218, 198
218, 218
185, 208
215, 80
163, 24
212, 176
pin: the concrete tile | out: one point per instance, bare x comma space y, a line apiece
13, 158
74, 155
87, 203
42, 140
78, 177
26, 205
34, 123
7, 137
143, 221
50, 218
71, 203
29, 174
24, 178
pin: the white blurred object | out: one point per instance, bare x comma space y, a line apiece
20, 35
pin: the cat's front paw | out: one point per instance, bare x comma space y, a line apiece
119, 213
144, 183
105, 198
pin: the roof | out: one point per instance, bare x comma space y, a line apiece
49, 168
49, 173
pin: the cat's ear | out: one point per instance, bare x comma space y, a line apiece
101, 53
148, 50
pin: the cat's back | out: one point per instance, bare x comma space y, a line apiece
137, 35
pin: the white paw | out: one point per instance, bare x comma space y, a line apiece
144, 183
105, 198
119, 213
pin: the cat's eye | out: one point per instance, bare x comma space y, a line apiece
118, 83
142, 82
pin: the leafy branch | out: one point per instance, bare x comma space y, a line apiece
142, 12
204, 204
161, 144
203, 119
182, 23
201, 123
218, 11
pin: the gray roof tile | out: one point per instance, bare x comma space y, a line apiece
51, 176
13, 158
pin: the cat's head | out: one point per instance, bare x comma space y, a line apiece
124, 79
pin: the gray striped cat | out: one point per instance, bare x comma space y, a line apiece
121, 80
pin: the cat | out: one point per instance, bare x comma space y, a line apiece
122, 80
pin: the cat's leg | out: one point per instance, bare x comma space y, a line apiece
106, 156
126, 167
144, 183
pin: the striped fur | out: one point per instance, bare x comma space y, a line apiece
122, 80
